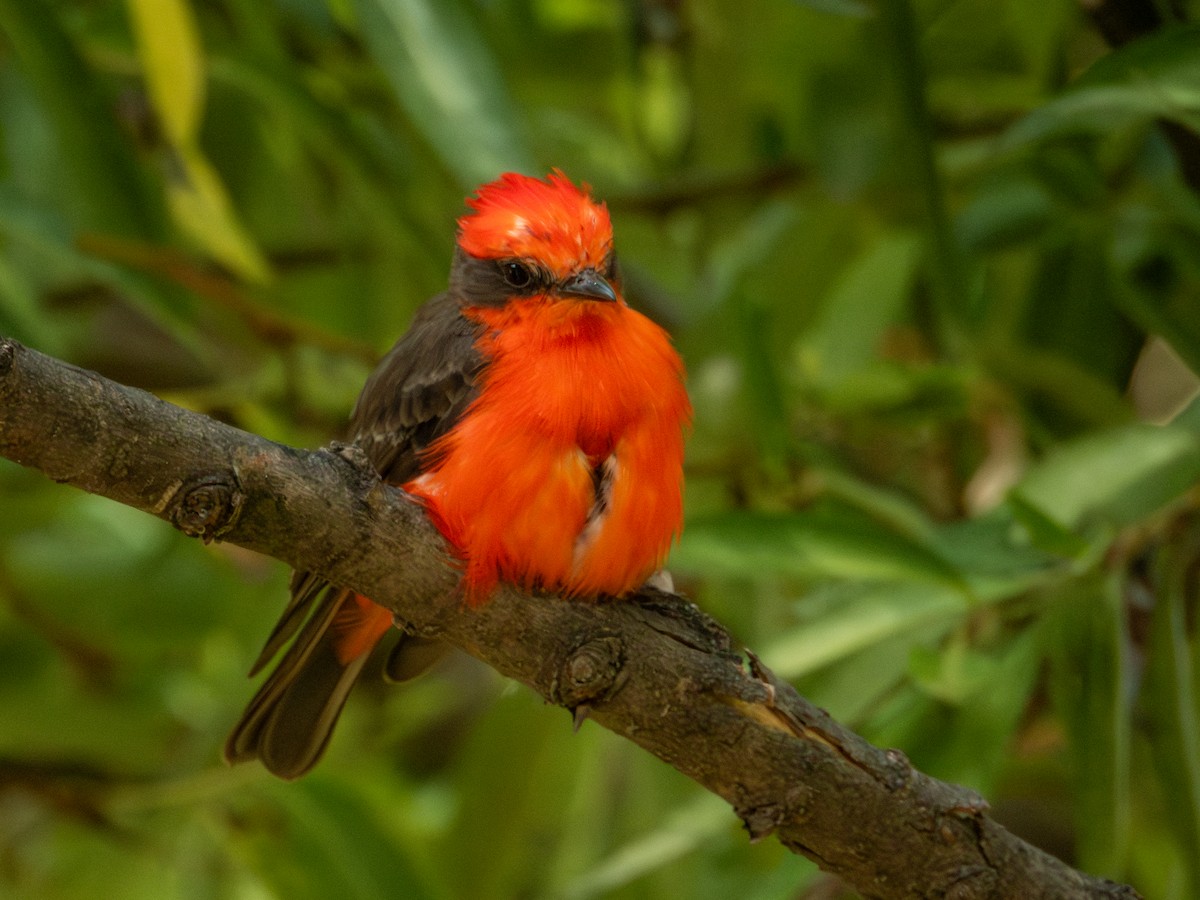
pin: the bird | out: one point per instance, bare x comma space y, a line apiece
539, 419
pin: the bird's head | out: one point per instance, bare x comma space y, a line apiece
530, 237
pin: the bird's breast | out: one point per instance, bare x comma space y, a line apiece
578, 373
565, 470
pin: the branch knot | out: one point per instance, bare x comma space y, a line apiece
591, 672
762, 819
208, 507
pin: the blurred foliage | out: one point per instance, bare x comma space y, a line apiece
934, 266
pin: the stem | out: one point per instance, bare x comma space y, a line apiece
950, 289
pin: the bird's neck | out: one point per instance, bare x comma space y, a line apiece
544, 321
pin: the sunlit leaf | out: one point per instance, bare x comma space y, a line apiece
202, 209
172, 64
663, 101
1042, 531
1114, 476
853, 686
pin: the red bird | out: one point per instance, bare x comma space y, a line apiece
539, 419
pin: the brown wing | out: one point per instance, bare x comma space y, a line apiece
416, 393
419, 390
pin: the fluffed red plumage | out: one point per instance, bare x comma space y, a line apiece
551, 221
571, 388
541, 422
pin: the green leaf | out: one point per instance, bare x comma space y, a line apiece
1172, 700
1152, 78
954, 672
202, 209
1006, 211
538, 759
333, 844
1090, 672
371, 169
42, 251
1116, 476
173, 68
883, 504
864, 303
864, 676
754, 241
833, 543
1167, 55
172, 64
1189, 416
979, 695
445, 76
995, 555
19, 313
105, 184
863, 617
687, 829
664, 101
1170, 315
1042, 531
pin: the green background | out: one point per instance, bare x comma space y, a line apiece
935, 270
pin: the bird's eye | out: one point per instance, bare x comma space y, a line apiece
517, 275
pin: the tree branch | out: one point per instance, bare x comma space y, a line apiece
656, 670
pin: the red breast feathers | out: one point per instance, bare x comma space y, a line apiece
565, 472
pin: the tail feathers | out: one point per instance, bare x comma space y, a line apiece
288, 722
411, 656
306, 589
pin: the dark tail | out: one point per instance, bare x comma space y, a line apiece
288, 722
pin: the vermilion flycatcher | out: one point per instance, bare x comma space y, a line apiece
539, 419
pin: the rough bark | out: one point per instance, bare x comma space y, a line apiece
657, 670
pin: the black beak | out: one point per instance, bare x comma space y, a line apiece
589, 285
